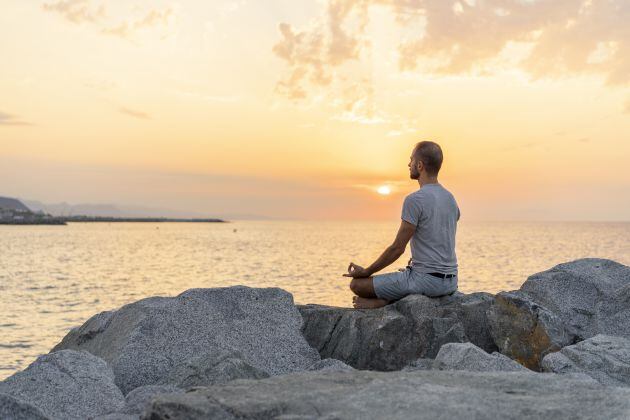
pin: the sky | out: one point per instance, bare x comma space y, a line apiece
296, 109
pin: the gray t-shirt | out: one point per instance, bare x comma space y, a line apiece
434, 212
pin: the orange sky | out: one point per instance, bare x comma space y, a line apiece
292, 109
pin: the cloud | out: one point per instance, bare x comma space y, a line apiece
84, 11
76, 11
545, 38
134, 113
8, 119
151, 19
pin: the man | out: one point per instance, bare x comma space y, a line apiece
429, 220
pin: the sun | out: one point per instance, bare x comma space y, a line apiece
384, 190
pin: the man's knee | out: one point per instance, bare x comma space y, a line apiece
354, 286
362, 287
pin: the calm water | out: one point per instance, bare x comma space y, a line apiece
55, 277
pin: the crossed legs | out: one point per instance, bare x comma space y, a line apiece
365, 297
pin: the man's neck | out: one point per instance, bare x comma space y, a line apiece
422, 181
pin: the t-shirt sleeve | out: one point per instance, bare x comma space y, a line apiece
411, 210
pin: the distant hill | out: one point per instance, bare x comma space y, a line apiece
111, 210
13, 204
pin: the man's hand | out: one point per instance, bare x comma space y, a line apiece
357, 272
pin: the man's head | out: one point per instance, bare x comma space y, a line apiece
426, 157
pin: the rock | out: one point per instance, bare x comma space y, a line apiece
117, 416
12, 408
66, 384
591, 296
467, 356
398, 395
212, 368
390, 338
137, 399
330, 365
603, 358
525, 331
145, 340
419, 364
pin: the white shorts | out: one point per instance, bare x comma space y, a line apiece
397, 285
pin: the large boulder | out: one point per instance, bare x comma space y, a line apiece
211, 369
561, 306
145, 340
604, 358
525, 331
391, 337
398, 395
66, 384
467, 356
591, 296
12, 408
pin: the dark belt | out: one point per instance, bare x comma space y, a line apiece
442, 276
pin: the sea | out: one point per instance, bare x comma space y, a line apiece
53, 278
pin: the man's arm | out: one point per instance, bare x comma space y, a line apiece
391, 253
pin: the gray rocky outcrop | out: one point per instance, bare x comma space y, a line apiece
145, 340
525, 331
330, 365
212, 368
591, 296
603, 358
561, 306
399, 395
12, 408
467, 356
391, 337
66, 384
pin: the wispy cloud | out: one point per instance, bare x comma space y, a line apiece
8, 119
87, 11
134, 113
151, 19
557, 38
76, 11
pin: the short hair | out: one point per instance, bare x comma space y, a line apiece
430, 154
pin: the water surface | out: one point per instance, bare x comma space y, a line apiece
53, 278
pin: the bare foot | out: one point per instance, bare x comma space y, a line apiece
366, 303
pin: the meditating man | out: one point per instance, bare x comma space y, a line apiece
429, 220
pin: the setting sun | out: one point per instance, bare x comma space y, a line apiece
384, 190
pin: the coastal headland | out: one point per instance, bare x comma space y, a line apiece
556, 348
14, 212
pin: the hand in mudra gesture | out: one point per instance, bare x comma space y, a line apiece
356, 271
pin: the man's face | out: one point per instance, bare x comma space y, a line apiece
413, 166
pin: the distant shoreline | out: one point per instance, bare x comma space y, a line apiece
94, 219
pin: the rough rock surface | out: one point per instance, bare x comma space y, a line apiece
525, 331
12, 408
604, 358
561, 306
66, 384
330, 365
419, 364
467, 356
591, 296
144, 340
137, 399
399, 395
212, 368
390, 338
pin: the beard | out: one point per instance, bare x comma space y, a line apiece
413, 174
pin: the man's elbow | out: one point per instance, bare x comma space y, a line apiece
397, 249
